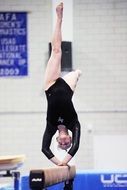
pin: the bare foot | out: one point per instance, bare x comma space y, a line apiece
59, 11
79, 72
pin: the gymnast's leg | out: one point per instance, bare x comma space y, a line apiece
53, 69
72, 78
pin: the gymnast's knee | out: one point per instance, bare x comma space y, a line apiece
56, 54
56, 49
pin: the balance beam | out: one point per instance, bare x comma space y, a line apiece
39, 179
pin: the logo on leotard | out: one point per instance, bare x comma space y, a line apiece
60, 120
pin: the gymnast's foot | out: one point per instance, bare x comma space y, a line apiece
59, 11
79, 72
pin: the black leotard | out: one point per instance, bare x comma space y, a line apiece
60, 111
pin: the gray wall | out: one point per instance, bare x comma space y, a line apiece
99, 50
100, 45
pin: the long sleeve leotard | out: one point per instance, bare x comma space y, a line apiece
60, 110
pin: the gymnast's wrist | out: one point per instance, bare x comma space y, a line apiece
67, 158
55, 160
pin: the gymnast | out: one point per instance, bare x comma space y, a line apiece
61, 114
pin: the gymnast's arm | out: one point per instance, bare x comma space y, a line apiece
75, 143
46, 142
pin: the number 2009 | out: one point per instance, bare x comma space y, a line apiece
9, 72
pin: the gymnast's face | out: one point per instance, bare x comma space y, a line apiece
64, 141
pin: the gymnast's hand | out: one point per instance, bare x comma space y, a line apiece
64, 164
55, 160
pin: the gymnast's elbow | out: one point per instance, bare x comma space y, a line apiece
44, 151
44, 148
74, 149
47, 152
